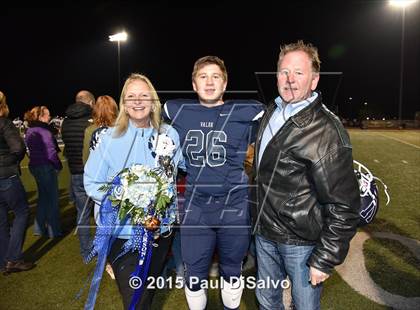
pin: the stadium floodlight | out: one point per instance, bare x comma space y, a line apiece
119, 37
402, 4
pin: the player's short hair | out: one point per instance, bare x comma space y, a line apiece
209, 60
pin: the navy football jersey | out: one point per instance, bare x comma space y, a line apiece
214, 142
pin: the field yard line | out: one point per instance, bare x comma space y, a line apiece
396, 139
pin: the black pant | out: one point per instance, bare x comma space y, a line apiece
125, 265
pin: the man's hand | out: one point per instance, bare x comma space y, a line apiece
317, 276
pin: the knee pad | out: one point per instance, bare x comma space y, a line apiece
232, 293
196, 300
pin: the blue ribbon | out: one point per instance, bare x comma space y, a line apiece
101, 247
142, 269
141, 240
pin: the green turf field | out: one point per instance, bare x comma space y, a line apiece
394, 156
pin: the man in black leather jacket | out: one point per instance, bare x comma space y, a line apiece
307, 196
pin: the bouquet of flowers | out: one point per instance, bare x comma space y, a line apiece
143, 194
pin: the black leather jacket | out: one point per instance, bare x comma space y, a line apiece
306, 191
12, 149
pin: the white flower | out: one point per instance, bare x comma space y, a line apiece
141, 192
124, 180
118, 192
139, 170
165, 145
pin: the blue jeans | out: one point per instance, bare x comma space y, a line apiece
276, 261
12, 197
84, 207
47, 218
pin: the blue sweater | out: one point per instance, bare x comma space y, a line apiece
107, 159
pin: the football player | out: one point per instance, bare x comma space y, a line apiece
215, 135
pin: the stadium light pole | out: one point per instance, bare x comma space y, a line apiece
118, 37
401, 4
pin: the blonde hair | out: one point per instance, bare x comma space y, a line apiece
105, 111
121, 124
307, 48
35, 113
4, 109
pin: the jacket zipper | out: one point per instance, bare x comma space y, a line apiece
260, 133
257, 152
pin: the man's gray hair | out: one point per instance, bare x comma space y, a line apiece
85, 97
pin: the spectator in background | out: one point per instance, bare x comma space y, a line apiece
12, 195
73, 130
105, 112
44, 165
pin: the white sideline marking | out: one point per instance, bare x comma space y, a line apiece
354, 272
405, 162
376, 161
396, 139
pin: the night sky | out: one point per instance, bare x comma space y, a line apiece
47, 54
